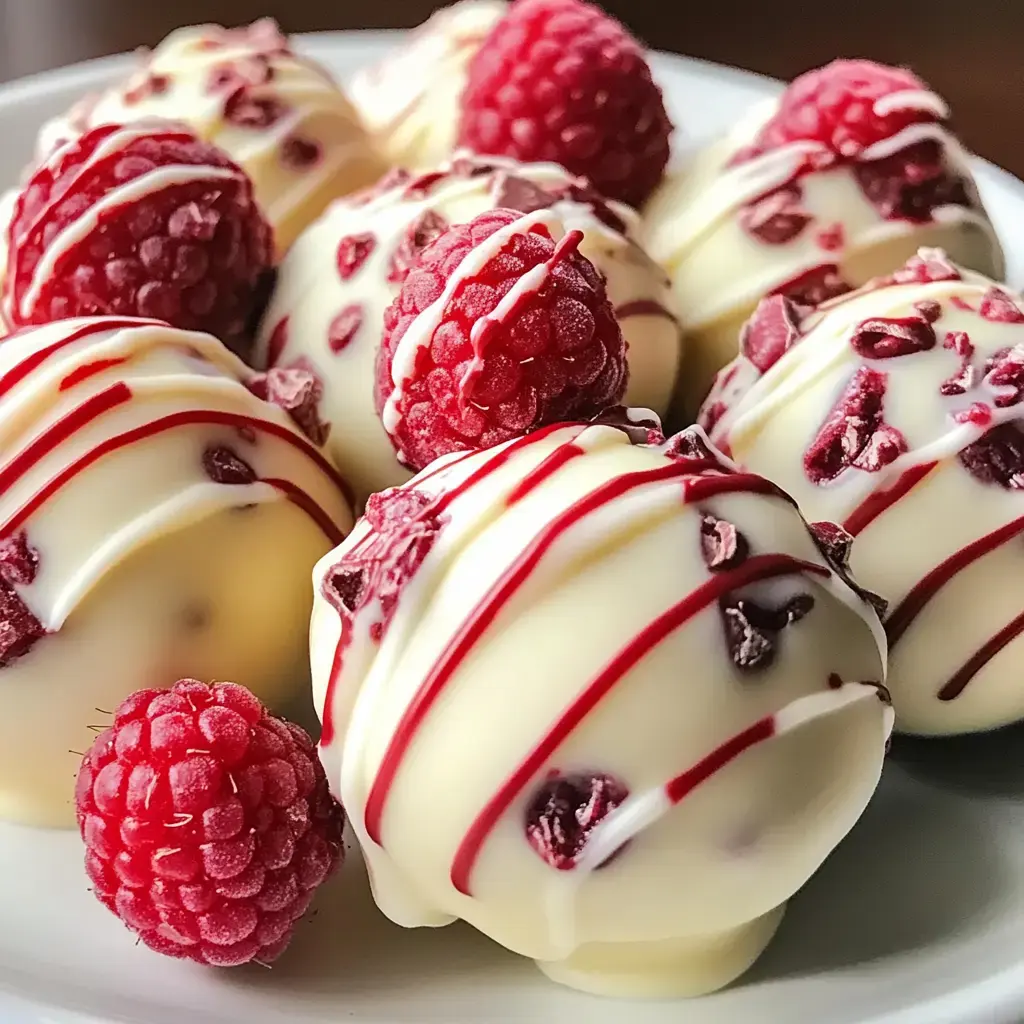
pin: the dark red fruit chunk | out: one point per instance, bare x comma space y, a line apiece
224, 466
428, 226
191, 252
776, 218
565, 810
751, 628
19, 628
721, 544
19, 561
561, 81
403, 529
510, 192
1004, 373
556, 354
815, 286
926, 267
298, 390
855, 433
772, 330
353, 252
1000, 308
835, 105
911, 184
998, 457
836, 544
208, 823
344, 327
889, 338
639, 430
929, 310
691, 444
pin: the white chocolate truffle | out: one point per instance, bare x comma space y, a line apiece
410, 100
801, 220
500, 654
157, 521
277, 114
328, 307
897, 413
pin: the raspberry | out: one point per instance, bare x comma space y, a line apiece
555, 354
565, 810
561, 81
145, 220
835, 105
855, 433
208, 823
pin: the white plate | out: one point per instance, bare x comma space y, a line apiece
917, 919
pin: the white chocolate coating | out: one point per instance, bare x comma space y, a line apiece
719, 271
148, 568
410, 100
542, 634
311, 296
311, 150
939, 639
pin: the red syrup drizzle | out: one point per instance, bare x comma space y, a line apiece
117, 395
881, 501
755, 569
959, 680
87, 370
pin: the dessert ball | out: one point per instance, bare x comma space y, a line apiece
896, 412
276, 113
410, 100
140, 220
333, 289
840, 180
499, 656
157, 520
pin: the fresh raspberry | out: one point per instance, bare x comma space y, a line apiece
835, 105
555, 354
208, 823
144, 220
561, 81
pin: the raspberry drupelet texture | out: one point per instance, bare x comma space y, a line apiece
143, 220
472, 357
208, 823
561, 81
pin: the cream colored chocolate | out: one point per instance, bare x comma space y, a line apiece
122, 556
719, 271
547, 612
277, 114
954, 654
335, 323
410, 100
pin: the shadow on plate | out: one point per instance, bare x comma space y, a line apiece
917, 869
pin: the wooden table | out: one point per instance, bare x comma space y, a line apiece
970, 52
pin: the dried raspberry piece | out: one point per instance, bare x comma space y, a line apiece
561, 81
19, 628
298, 390
927, 266
836, 545
19, 561
208, 823
120, 236
403, 529
966, 377
224, 466
353, 252
997, 457
692, 444
424, 230
855, 433
912, 184
1000, 308
776, 218
835, 105
892, 337
772, 330
751, 628
721, 544
929, 310
1004, 373
344, 327
476, 379
565, 810
977, 413
814, 286
511, 192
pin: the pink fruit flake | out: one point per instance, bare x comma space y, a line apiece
722, 545
776, 218
855, 434
1004, 373
298, 390
890, 338
929, 310
344, 327
353, 252
928, 266
19, 561
967, 376
565, 810
225, 466
772, 330
998, 457
1000, 308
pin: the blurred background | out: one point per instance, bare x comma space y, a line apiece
968, 50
